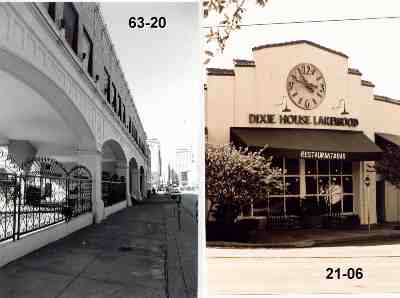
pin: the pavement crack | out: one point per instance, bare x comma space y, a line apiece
166, 255
77, 276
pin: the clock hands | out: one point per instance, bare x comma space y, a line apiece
309, 86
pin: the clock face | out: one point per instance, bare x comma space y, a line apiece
306, 86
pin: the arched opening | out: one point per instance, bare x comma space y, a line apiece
134, 179
46, 121
142, 182
113, 173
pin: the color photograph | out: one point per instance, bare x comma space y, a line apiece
302, 147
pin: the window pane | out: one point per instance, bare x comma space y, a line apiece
311, 167
347, 184
292, 185
246, 210
336, 180
336, 167
336, 208
276, 206
292, 167
323, 185
277, 162
348, 203
323, 204
293, 206
323, 167
260, 207
311, 185
52, 10
347, 168
71, 25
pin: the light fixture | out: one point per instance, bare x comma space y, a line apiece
344, 112
286, 109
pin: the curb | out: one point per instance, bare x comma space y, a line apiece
305, 243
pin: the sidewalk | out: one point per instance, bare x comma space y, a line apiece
182, 253
130, 254
381, 234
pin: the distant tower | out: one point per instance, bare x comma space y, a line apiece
156, 169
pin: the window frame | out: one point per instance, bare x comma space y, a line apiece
75, 33
90, 54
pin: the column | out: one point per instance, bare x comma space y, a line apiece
93, 162
122, 169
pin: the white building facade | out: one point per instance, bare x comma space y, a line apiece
184, 165
65, 99
156, 166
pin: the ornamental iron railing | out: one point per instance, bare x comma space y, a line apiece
41, 195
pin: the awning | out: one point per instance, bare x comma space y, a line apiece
307, 143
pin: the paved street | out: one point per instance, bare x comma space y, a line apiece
303, 271
137, 252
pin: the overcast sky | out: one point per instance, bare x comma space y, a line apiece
372, 46
162, 67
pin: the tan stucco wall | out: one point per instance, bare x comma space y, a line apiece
260, 90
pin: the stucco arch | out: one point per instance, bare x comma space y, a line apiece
25, 74
113, 158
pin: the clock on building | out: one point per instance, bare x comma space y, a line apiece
306, 86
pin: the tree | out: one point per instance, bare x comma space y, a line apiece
229, 15
389, 166
238, 176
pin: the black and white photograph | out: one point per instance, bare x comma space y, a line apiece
302, 147
100, 135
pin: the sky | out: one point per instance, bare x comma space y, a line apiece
373, 47
162, 68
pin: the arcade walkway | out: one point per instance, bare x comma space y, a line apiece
127, 255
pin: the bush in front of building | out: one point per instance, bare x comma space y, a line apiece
389, 165
234, 178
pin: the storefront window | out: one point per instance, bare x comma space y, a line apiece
292, 166
323, 167
311, 184
311, 167
287, 200
328, 183
332, 185
347, 168
348, 203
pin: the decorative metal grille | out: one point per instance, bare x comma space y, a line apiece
42, 196
113, 189
80, 190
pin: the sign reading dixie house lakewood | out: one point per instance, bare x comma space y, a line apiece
302, 120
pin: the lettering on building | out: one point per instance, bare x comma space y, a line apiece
322, 155
302, 120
